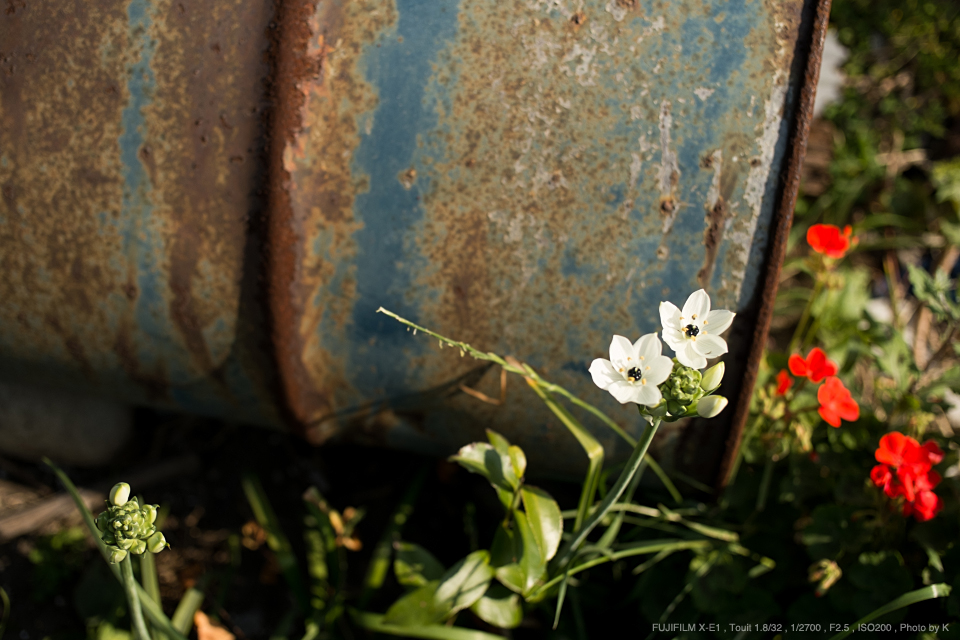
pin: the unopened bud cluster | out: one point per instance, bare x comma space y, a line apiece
126, 527
686, 393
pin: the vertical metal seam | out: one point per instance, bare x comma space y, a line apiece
783, 220
290, 40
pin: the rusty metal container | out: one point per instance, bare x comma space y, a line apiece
204, 203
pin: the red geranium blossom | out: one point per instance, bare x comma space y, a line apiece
827, 239
906, 470
784, 382
924, 507
836, 403
817, 365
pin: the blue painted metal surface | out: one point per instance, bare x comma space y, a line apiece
528, 177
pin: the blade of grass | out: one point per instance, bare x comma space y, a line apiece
912, 597
5, 600
591, 447
152, 610
380, 561
374, 622
548, 387
630, 468
188, 605
636, 549
276, 539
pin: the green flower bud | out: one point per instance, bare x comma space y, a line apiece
149, 513
156, 543
711, 406
139, 546
712, 377
681, 389
117, 555
119, 494
126, 543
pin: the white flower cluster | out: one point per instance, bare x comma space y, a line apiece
634, 370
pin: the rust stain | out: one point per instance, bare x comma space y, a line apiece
157, 261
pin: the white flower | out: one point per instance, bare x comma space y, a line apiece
634, 370
694, 333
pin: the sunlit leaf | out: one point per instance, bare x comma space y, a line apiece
499, 607
465, 582
484, 459
543, 515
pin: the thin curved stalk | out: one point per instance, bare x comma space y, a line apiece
633, 463
133, 599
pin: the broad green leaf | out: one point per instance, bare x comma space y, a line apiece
525, 574
377, 623
414, 566
482, 458
503, 550
501, 444
419, 607
546, 523
465, 582
519, 460
499, 607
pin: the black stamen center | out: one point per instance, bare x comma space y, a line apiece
634, 374
691, 330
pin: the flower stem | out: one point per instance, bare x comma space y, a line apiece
629, 469
765, 484
130, 587
801, 325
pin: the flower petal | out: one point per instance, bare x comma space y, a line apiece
710, 346
669, 316
697, 306
647, 394
674, 338
623, 391
604, 373
718, 321
657, 370
621, 350
648, 346
688, 356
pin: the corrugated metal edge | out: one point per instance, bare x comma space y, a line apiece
780, 231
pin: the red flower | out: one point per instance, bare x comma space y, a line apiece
817, 366
827, 239
784, 382
836, 403
926, 505
894, 447
914, 478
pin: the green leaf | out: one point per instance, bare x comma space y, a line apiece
519, 460
414, 566
379, 624
482, 458
543, 515
946, 178
525, 573
465, 582
276, 538
928, 593
499, 607
501, 444
419, 607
